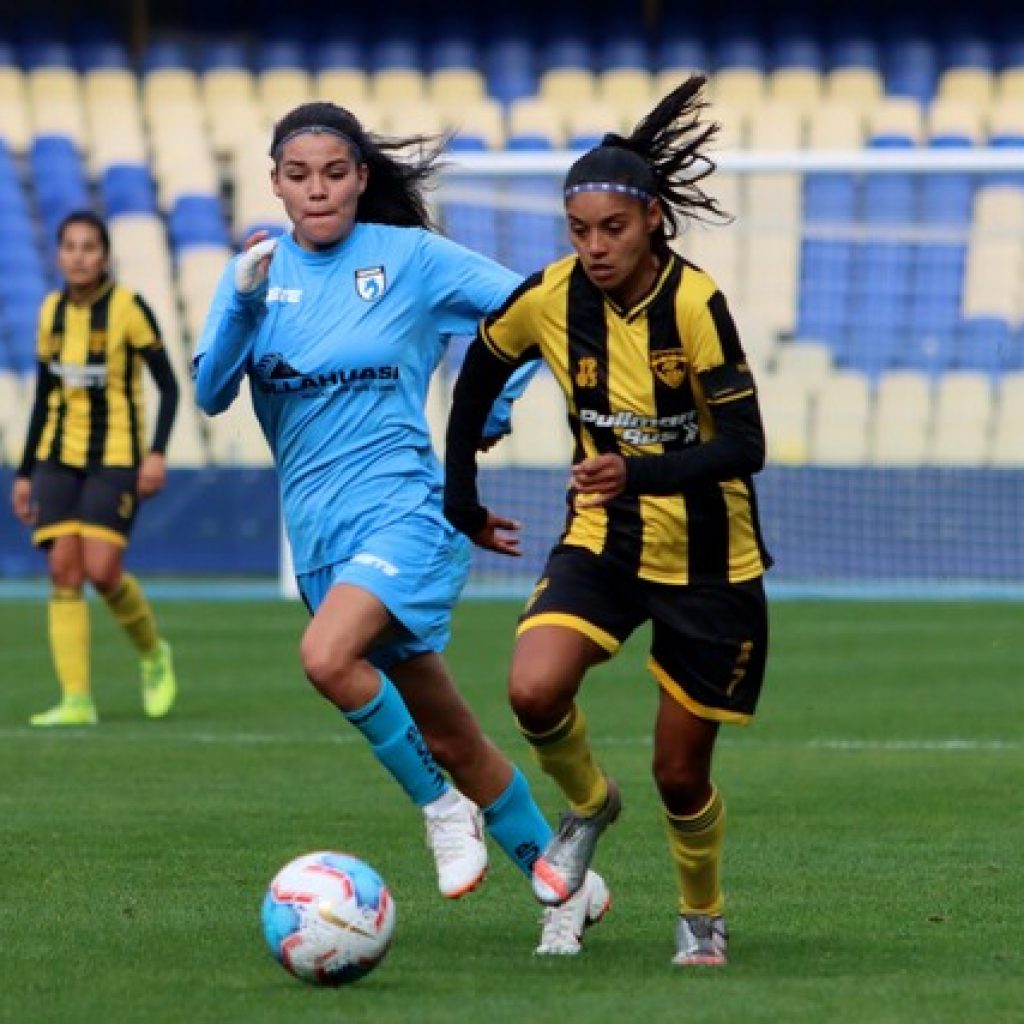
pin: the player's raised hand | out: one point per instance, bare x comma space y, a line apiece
253, 266
499, 534
599, 479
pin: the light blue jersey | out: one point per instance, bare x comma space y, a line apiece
340, 349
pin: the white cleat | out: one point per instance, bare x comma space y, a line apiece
456, 838
563, 926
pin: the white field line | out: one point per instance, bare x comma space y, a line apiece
117, 733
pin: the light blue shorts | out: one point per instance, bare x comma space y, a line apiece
416, 568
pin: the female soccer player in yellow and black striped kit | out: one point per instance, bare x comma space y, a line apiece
662, 524
86, 467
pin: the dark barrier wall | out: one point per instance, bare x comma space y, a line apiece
822, 525
206, 522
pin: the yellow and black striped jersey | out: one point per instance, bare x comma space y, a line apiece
95, 413
643, 381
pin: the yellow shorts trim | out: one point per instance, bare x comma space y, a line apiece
588, 629
70, 528
104, 533
678, 694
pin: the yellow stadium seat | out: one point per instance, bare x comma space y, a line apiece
450, 86
856, 86
533, 116
345, 86
15, 121
565, 87
972, 85
394, 86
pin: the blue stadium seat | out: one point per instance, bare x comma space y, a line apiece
739, 51
911, 68
337, 52
829, 197
396, 51
796, 46
968, 51
101, 54
223, 53
623, 51
681, 51
127, 188
46, 52
162, 54
274, 54
855, 49
982, 344
510, 67
197, 220
567, 51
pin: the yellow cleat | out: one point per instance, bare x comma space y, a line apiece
70, 711
159, 686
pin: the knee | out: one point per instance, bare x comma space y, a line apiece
105, 579
320, 663
681, 781
535, 702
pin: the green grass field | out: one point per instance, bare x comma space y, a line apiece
874, 867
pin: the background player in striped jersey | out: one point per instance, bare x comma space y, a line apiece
339, 326
663, 522
86, 467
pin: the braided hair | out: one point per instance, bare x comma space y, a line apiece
394, 187
663, 158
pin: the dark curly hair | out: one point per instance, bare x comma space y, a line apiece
394, 187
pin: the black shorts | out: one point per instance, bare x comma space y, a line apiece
98, 503
710, 640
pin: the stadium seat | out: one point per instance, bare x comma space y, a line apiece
786, 410
127, 188
901, 420
740, 87
839, 425
857, 86
534, 124
588, 121
394, 86
15, 118
510, 67
420, 117
836, 124
348, 87
15, 406
962, 433
448, 87
478, 124
970, 85
282, 89
1007, 448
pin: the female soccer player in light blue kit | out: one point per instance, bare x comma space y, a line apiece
339, 326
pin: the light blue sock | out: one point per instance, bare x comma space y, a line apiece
518, 827
385, 721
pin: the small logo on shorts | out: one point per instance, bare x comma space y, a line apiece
375, 562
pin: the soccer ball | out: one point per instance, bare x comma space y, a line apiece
328, 918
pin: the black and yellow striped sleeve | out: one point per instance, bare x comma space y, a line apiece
508, 332
44, 331
143, 330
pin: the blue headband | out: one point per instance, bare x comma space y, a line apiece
609, 186
318, 129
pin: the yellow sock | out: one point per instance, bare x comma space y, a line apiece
696, 842
564, 754
69, 641
129, 606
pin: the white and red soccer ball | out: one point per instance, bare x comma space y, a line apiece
328, 918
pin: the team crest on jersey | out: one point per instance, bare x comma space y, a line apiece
669, 367
370, 283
